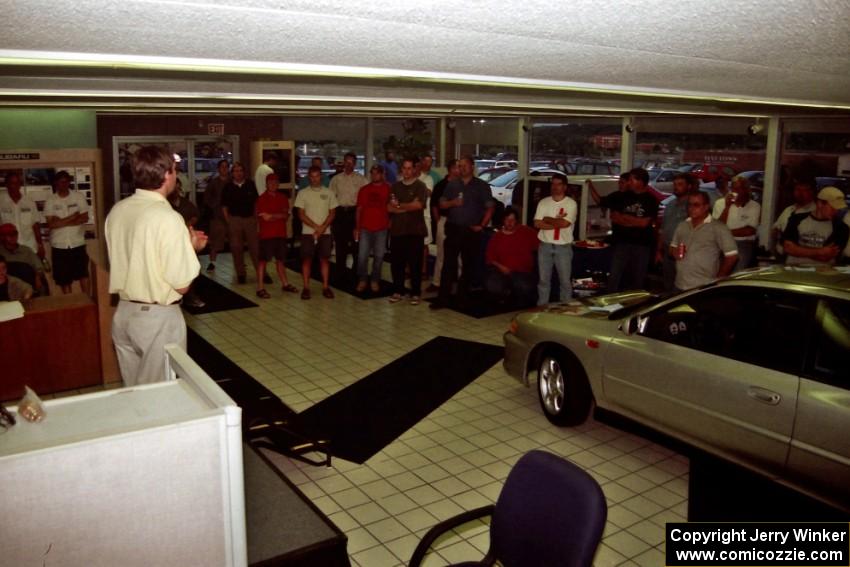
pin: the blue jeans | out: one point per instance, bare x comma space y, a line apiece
374, 243
520, 285
561, 257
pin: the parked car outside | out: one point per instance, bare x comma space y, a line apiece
489, 175
662, 179
595, 168
708, 172
751, 368
503, 186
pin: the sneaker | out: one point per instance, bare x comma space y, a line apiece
376, 287
395, 298
241, 279
211, 267
414, 300
361, 287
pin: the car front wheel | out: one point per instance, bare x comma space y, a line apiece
565, 395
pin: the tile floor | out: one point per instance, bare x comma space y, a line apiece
458, 457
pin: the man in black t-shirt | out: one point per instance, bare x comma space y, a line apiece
818, 237
632, 215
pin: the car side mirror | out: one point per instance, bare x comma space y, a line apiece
629, 326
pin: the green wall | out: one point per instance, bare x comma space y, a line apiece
48, 129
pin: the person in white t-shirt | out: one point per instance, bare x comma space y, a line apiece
555, 218
265, 168
21, 211
66, 213
316, 206
741, 214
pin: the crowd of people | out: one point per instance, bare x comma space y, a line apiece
702, 235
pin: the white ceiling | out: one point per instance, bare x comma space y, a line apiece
441, 52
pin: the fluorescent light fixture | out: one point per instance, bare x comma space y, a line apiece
114, 61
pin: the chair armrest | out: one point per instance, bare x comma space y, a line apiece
443, 527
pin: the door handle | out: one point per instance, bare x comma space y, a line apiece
765, 396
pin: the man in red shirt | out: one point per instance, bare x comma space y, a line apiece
510, 261
272, 210
373, 220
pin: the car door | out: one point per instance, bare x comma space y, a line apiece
820, 447
718, 368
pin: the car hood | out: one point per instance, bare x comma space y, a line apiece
598, 307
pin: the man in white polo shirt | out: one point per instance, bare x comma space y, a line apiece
741, 214
555, 218
20, 210
345, 186
152, 255
66, 213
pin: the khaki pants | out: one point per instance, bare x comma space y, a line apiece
140, 333
243, 230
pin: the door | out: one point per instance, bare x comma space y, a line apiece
820, 447
718, 368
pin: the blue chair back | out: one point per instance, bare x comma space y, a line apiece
550, 512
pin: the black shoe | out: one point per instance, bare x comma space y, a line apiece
211, 267
241, 279
267, 279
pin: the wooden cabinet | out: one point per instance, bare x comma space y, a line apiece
54, 347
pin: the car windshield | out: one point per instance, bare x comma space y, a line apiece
504, 179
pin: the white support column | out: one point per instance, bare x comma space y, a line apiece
440, 159
370, 133
770, 195
627, 144
523, 159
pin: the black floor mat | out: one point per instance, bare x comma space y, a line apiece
365, 417
216, 297
258, 403
479, 305
340, 278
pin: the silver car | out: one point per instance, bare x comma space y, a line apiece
754, 368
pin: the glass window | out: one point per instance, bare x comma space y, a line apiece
832, 344
584, 146
703, 147
328, 139
764, 327
403, 137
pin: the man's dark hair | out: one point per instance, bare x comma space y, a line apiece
682, 175
560, 176
624, 176
351, 155
640, 174
702, 195
62, 175
314, 168
150, 164
314, 158
808, 182
221, 161
510, 211
269, 154
452, 162
408, 159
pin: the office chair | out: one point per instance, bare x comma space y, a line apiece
549, 513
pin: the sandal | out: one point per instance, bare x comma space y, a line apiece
263, 294
290, 288
305, 293
328, 293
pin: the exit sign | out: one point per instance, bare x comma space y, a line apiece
215, 129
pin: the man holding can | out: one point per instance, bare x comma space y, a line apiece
703, 247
